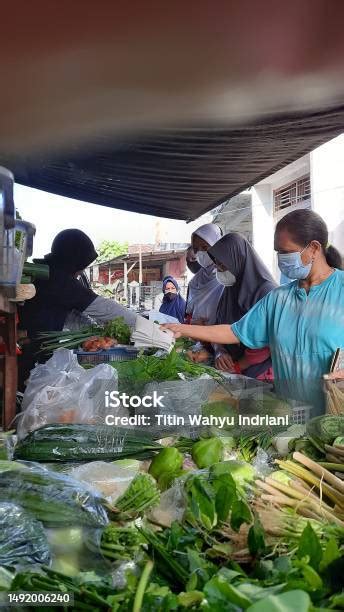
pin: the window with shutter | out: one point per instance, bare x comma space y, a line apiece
294, 195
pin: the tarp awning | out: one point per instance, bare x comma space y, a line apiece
178, 173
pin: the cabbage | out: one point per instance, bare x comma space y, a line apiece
65, 539
325, 429
241, 471
67, 564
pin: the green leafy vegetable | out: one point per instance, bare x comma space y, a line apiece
118, 329
133, 375
141, 494
241, 513
285, 602
242, 473
256, 538
120, 543
206, 452
325, 429
309, 546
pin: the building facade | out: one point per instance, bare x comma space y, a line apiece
314, 181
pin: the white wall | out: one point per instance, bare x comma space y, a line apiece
327, 186
263, 223
263, 210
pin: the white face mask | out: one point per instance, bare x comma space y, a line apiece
227, 279
203, 259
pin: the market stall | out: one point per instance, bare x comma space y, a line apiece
136, 479
219, 497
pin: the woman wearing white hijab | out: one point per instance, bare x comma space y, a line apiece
204, 290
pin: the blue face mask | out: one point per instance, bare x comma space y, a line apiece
291, 265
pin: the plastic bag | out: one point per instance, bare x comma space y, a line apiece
107, 479
22, 537
172, 505
262, 463
182, 401
70, 394
60, 370
7, 441
83, 442
52, 498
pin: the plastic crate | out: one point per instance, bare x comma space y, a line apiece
300, 415
119, 353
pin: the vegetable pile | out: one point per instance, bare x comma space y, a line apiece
133, 375
229, 520
92, 338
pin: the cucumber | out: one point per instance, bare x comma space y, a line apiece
84, 443
52, 498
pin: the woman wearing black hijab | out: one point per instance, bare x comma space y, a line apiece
246, 280
71, 252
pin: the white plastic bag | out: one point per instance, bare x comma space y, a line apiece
63, 392
172, 505
107, 479
61, 369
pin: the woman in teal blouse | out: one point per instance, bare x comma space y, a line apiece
303, 321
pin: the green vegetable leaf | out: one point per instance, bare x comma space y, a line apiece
312, 578
256, 592
256, 539
310, 546
241, 513
330, 554
201, 502
291, 601
190, 599
199, 567
229, 574
337, 601
158, 598
219, 590
225, 495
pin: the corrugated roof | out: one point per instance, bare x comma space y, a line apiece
178, 173
146, 257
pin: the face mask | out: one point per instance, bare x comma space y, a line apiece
170, 296
227, 279
291, 265
203, 259
193, 266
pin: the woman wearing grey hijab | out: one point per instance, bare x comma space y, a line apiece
204, 290
246, 280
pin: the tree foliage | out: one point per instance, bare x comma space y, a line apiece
108, 249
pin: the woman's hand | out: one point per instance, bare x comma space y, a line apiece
215, 334
224, 362
178, 329
338, 375
200, 321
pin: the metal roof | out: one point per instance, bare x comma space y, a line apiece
178, 173
152, 256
